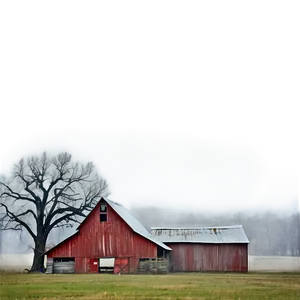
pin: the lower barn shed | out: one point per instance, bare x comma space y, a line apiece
197, 249
110, 239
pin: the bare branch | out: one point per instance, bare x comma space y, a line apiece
14, 195
63, 218
16, 219
66, 223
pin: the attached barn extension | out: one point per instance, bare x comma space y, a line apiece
110, 239
205, 248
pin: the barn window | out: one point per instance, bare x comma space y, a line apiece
103, 217
103, 212
103, 207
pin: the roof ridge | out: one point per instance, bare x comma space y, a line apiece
106, 199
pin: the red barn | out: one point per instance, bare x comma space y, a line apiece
205, 248
110, 239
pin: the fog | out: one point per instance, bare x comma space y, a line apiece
167, 168
164, 170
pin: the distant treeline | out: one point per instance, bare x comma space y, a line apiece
269, 233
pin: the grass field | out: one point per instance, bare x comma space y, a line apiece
178, 286
256, 286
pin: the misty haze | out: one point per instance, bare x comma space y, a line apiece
178, 179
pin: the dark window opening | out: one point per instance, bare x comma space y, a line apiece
146, 259
103, 207
162, 253
103, 217
63, 259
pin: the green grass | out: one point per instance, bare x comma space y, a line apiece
203, 286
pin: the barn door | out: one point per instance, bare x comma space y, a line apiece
106, 265
65, 265
94, 265
121, 265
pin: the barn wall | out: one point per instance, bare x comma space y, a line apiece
193, 257
96, 239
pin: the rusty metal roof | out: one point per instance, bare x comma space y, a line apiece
215, 235
135, 225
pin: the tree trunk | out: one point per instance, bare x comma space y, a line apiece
38, 258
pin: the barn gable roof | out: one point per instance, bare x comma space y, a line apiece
128, 217
132, 222
215, 235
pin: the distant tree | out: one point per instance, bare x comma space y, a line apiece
188, 219
45, 193
149, 216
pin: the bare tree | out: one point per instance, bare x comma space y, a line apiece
45, 193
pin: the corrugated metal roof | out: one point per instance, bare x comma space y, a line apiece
135, 225
216, 235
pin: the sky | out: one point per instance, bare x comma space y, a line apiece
165, 166
139, 164
175, 169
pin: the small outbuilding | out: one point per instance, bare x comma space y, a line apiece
197, 249
110, 239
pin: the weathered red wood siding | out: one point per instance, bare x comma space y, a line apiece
192, 257
96, 239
